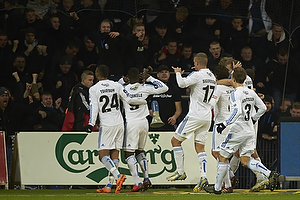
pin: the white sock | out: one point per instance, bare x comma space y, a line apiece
133, 167
234, 163
259, 175
222, 171
203, 164
111, 178
142, 160
257, 166
110, 166
179, 159
231, 174
226, 179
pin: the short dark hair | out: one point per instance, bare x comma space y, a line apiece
221, 72
134, 73
239, 74
103, 71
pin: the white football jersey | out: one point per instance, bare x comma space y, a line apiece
142, 91
242, 102
105, 101
222, 106
202, 84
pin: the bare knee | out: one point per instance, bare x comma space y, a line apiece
175, 142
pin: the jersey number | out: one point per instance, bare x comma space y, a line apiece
209, 90
114, 103
247, 109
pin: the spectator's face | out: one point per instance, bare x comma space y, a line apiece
67, 4
105, 27
89, 45
29, 37
140, 29
86, 3
225, 3
180, 17
4, 98
3, 41
163, 75
285, 105
161, 31
295, 112
187, 52
30, 17
20, 63
282, 59
215, 50
71, 51
210, 21
65, 68
47, 100
277, 31
55, 22
236, 23
172, 47
146, 42
246, 54
88, 81
268, 105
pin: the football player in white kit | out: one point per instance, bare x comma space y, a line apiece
105, 103
197, 122
137, 125
231, 64
241, 134
221, 112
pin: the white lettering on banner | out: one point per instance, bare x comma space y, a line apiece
72, 159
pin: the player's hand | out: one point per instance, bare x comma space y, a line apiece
253, 121
220, 127
88, 128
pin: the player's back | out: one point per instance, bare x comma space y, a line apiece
242, 103
105, 97
222, 107
201, 93
136, 112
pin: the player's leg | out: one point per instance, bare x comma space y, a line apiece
142, 160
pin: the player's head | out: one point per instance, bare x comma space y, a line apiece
102, 72
239, 75
87, 78
133, 74
227, 62
221, 72
200, 61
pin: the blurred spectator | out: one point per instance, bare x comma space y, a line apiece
11, 115
275, 40
6, 58
268, 134
283, 79
224, 9
284, 107
216, 53
135, 53
236, 37
10, 19
41, 7
187, 59
207, 30
169, 55
111, 46
259, 25
62, 81
159, 39
88, 54
49, 116
78, 111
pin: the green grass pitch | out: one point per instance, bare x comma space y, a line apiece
157, 194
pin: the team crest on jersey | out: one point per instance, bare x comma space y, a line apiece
105, 84
246, 92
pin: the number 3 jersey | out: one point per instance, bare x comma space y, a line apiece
137, 90
202, 84
242, 102
105, 101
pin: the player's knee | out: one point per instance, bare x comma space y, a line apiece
175, 142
